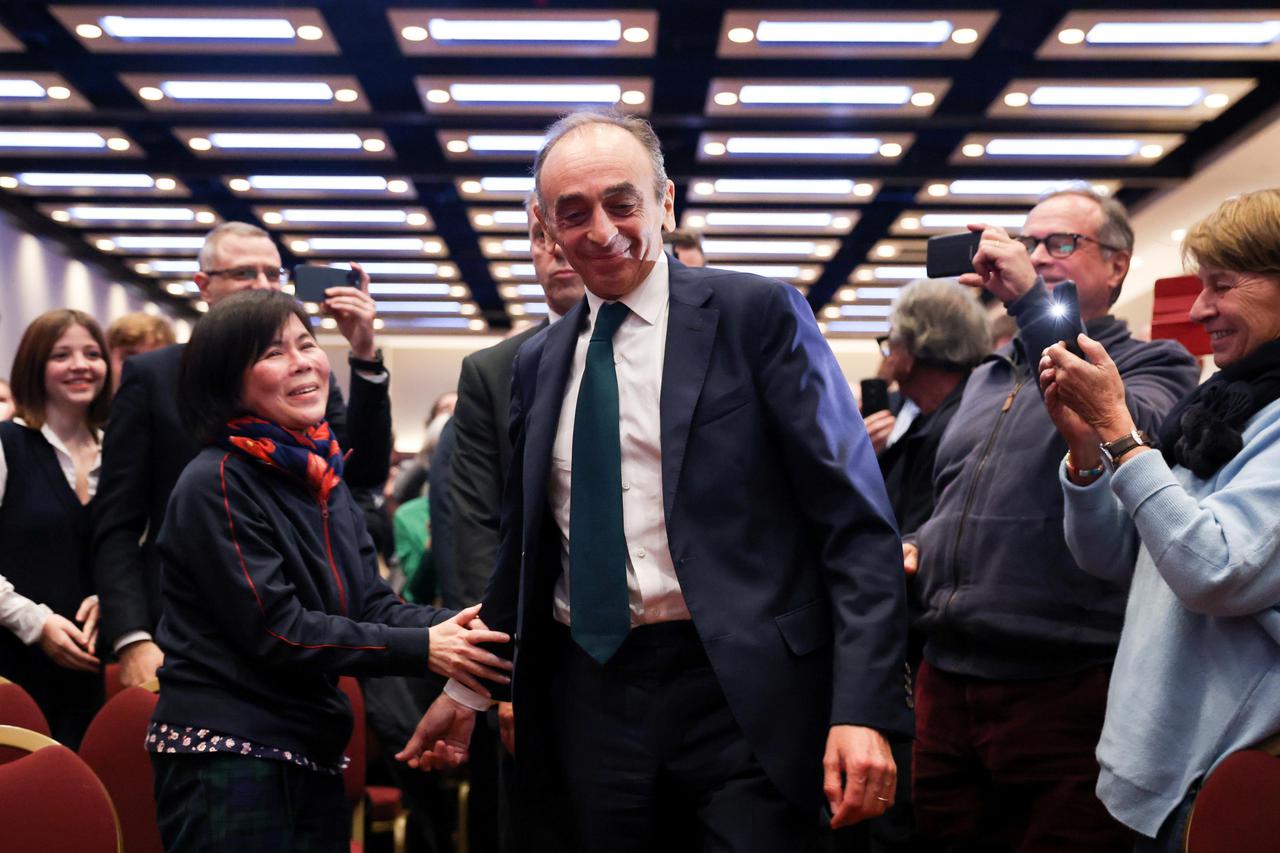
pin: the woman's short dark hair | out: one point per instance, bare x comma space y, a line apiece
224, 344
27, 378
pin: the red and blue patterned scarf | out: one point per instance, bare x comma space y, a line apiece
311, 455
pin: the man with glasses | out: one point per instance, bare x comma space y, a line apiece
146, 445
1019, 640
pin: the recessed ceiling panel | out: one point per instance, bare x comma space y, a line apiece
525, 32
798, 34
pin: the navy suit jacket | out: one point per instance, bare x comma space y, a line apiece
779, 526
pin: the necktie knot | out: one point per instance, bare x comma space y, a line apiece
608, 320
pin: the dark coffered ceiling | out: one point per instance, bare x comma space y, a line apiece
820, 143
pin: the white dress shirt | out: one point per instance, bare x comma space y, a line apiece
639, 352
19, 614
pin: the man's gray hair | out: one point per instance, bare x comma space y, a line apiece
939, 322
634, 125
209, 251
1115, 232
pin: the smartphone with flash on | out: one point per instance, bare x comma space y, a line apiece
1066, 316
310, 282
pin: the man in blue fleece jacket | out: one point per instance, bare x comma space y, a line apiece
1010, 698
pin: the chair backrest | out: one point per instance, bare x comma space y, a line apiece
353, 776
1235, 811
113, 746
51, 800
17, 708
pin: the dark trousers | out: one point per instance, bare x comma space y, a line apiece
1009, 765
237, 804
654, 760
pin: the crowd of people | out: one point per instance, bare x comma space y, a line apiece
652, 543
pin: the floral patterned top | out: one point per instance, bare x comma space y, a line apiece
189, 740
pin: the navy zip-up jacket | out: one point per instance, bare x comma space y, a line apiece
270, 595
999, 593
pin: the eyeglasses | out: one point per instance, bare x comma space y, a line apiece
251, 273
883, 342
1059, 245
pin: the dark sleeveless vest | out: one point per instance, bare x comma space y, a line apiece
44, 532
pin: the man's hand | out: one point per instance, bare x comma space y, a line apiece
910, 559
87, 616
441, 737
879, 425
507, 726
859, 776
66, 645
454, 651
354, 309
139, 662
1001, 265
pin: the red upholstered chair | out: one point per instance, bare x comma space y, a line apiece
17, 708
113, 747
1235, 811
379, 805
50, 799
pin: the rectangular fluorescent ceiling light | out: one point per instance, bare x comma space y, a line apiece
492, 142
138, 242
51, 139
853, 32
857, 326
143, 214
962, 220
270, 141
21, 89
88, 179
1013, 147
1117, 96
370, 244
419, 307
246, 90
536, 93
197, 29
1184, 32
792, 248
821, 145
342, 216
834, 94
404, 288
780, 186
359, 183
159, 265
410, 268
730, 219
447, 29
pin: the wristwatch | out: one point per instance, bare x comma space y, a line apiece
1112, 451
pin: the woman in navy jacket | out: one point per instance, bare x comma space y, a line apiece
271, 591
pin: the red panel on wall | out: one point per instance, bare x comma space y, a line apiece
1169, 315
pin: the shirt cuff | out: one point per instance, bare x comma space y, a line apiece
467, 697
129, 639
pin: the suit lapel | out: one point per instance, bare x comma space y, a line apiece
691, 334
544, 415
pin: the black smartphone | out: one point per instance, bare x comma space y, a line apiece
310, 282
875, 396
951, 254
1066, 316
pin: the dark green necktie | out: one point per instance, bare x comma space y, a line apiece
599, 614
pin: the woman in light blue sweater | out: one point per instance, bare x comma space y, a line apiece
1194, 527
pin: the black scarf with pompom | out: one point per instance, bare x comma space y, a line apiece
1202, 433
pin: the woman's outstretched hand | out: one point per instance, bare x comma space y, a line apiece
456, 651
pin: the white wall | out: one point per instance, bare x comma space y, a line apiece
35, 276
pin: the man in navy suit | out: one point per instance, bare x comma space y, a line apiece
738, 658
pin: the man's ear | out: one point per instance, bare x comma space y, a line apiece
669, 208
